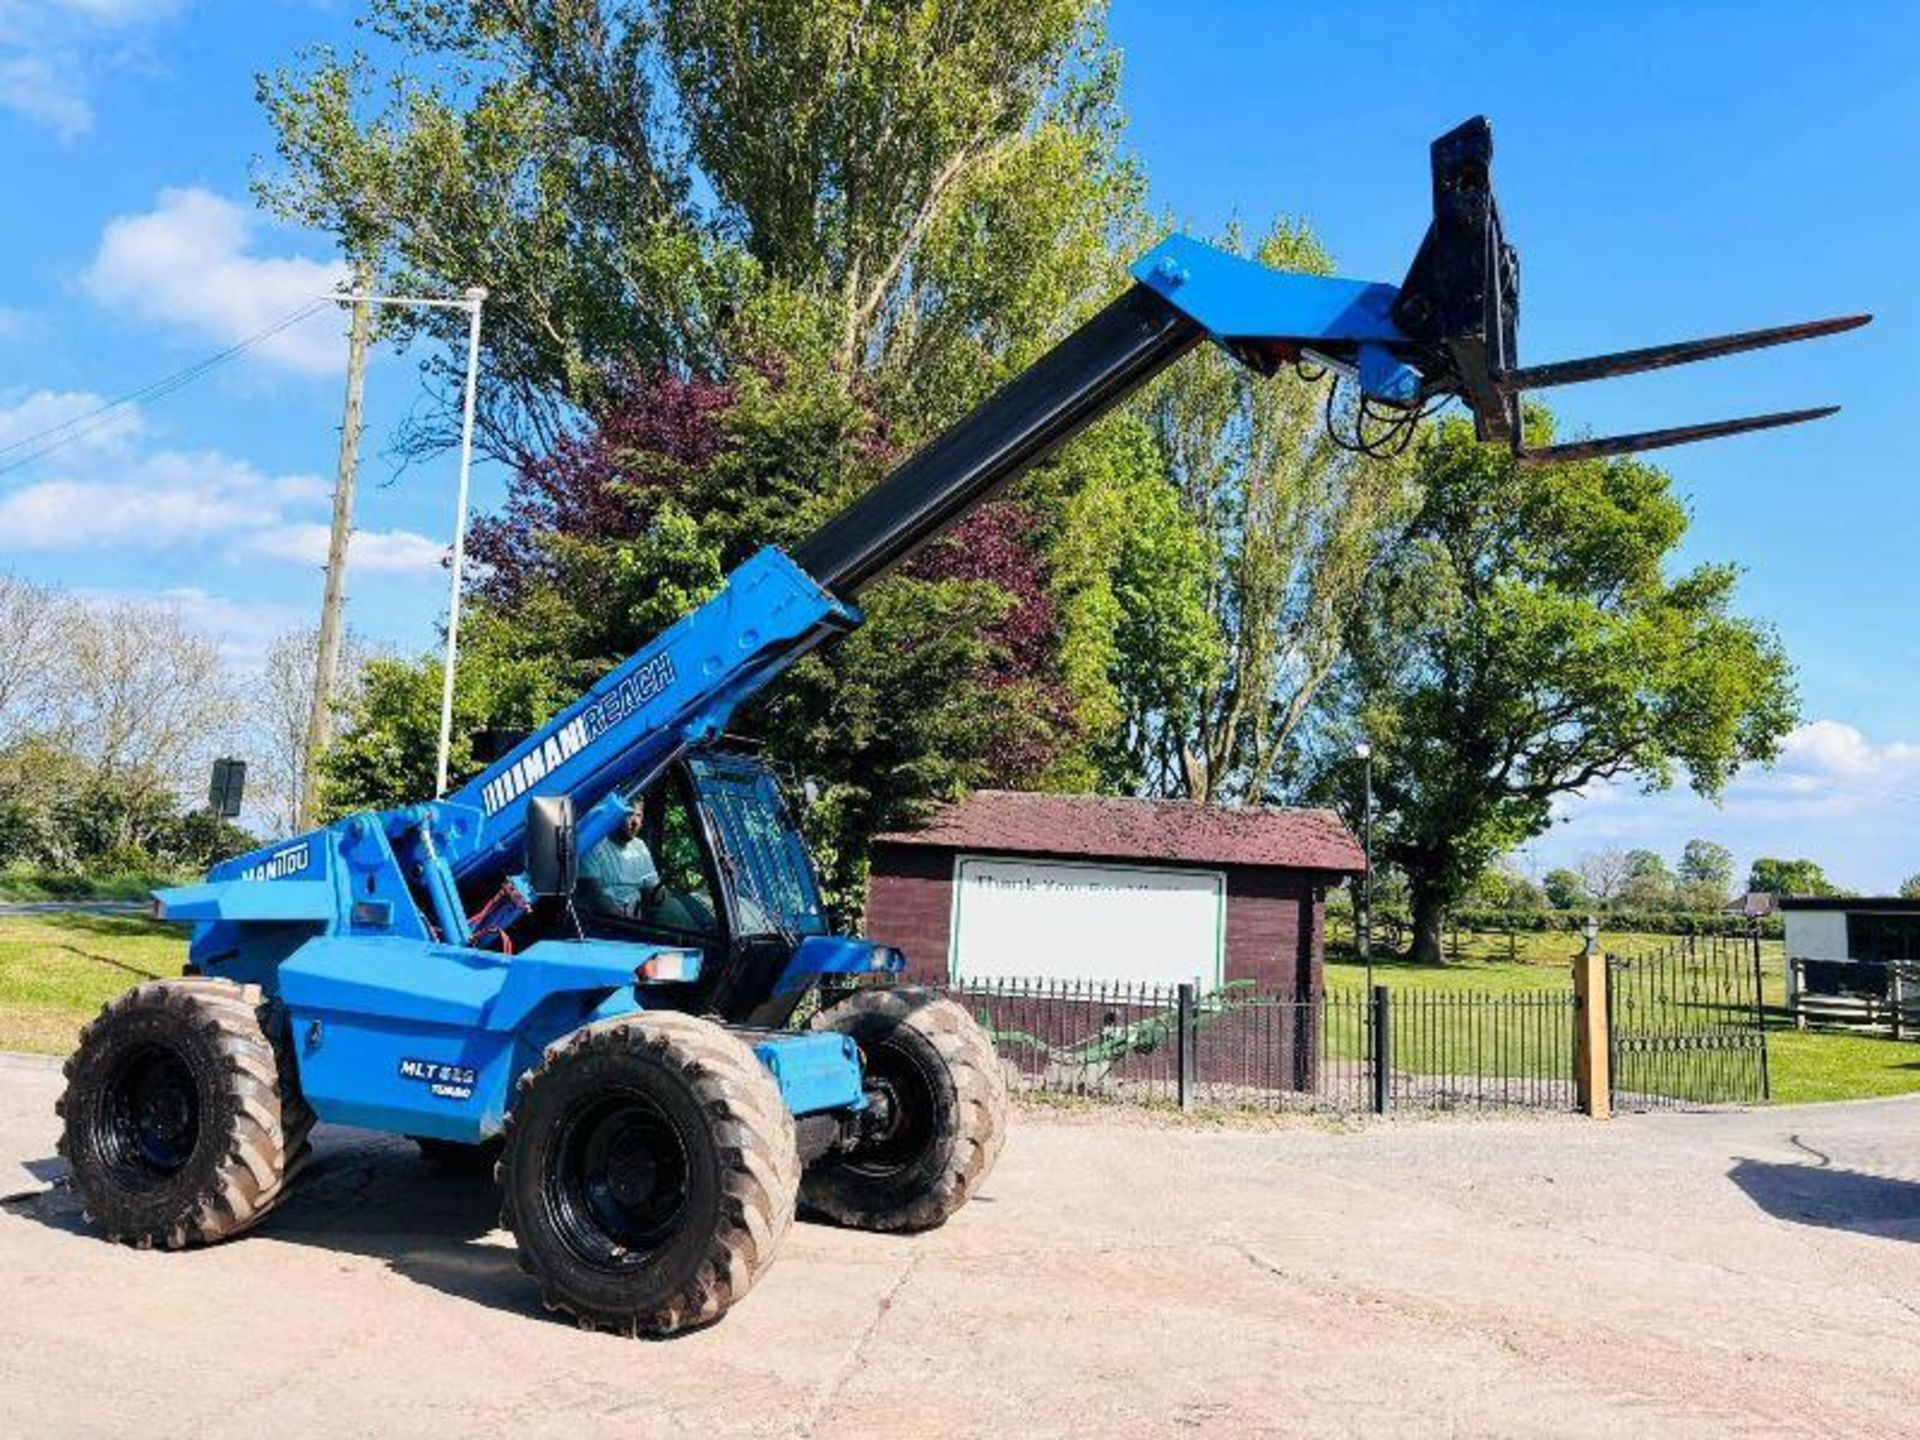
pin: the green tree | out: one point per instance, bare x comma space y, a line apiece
853, 223
1649, 884
1525, 642
1910, 888
932, 190
1287, 527
1706, 875
387, 751
862, 158
1771, 876
1565, 890
1504, 886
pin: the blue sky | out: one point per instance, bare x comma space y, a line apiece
1665, 170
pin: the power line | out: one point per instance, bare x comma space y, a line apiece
43, 443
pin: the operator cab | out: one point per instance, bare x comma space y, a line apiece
733, 879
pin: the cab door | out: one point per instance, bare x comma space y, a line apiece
766, 872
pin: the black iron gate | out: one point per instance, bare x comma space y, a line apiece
1686, 1026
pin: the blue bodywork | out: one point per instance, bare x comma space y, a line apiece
429, 1039
384, 935
399, 1021
1347, 323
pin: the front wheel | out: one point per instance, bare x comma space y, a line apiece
649, 1173
182, 1116
937, 1113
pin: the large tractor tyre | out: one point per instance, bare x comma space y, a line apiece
649, 1173
465, 1162
183, 1119
939, 1113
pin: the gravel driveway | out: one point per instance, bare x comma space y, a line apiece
1681, 1274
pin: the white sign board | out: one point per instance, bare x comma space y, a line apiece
1056, 920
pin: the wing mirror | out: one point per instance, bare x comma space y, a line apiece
553, 858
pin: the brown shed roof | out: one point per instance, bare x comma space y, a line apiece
1110, 828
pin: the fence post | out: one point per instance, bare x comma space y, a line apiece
1760, 1013
1382, 1050
1592, 1084
1184, 1026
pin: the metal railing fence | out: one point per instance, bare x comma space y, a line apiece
1240, 1048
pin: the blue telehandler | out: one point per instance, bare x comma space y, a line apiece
627, 1063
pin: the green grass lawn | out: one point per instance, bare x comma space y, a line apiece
1819, 1065
56, 971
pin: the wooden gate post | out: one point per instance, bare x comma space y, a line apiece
1591, 1082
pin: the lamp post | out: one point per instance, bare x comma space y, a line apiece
475, 298
470, 302
1364, 753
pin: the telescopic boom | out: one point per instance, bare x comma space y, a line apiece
1449, 331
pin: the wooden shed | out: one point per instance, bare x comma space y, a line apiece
1008, 885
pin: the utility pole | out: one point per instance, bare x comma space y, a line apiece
363, 303
326, 665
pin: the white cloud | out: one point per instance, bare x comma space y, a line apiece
190, 262
105, 493
65, 415
53, 51
372, 551
1830, 751
1836, 796
32, 86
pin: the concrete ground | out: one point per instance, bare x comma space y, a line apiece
1684, 1274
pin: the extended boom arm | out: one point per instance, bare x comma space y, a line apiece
1449, 331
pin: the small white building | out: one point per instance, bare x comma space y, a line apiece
1830, 934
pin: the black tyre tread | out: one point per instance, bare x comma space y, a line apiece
272, 1126
754, 1133
980, 1131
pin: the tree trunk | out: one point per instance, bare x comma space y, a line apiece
1429, 914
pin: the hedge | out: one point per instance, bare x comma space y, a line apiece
1643, 922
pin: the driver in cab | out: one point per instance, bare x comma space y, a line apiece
619, 876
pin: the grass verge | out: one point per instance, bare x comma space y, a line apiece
56, 971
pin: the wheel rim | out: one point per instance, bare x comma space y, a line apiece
900, 1086
149, 1124
618, 1180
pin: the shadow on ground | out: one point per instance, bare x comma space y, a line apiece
373, 1196
1832, 1198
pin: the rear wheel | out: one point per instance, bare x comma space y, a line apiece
937, 1113
649, 1173
183, 1121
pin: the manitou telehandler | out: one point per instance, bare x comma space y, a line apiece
427, 972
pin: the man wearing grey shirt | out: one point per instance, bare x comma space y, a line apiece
621, 878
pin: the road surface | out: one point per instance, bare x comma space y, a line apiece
1680, 1274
